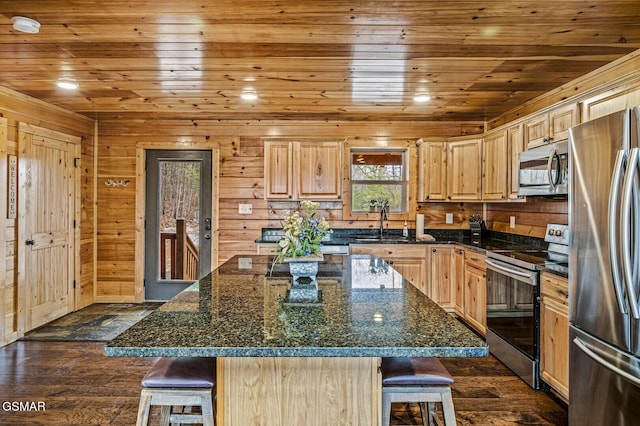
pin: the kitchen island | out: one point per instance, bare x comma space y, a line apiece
283, 361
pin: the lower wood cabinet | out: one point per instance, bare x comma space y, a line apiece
458, 260
554, 333
443, 276
452, 277
475, 291
410, 260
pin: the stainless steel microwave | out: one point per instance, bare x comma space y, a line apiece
544, 170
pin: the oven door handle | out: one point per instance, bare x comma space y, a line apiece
499, 268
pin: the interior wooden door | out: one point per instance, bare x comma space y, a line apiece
46, 193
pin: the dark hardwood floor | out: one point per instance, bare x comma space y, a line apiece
77, 385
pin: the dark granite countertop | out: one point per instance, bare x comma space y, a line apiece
492, 240
239, 310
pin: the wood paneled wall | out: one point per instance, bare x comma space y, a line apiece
241, 172
17, 108
241, 181
532, 217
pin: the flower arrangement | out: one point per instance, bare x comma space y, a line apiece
303, 232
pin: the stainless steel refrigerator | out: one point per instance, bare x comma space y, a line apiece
604, 312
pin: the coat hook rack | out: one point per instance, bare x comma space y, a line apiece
117, 183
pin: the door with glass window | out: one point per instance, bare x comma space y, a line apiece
178, 224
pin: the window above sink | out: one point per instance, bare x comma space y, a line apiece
379, 174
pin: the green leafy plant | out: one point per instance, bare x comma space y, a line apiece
303, 232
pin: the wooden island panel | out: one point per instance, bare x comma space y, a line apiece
295, 391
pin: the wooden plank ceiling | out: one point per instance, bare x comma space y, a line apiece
324, 59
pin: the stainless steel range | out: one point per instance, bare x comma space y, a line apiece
513, 311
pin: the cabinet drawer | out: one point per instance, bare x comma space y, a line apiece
475, 259
390, 250
554, 287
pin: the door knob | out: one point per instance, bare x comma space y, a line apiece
31, 242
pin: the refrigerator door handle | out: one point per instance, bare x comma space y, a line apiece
629, 190
599, 356
614, 243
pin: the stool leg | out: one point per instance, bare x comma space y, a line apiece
165, 414
447, 409
143, 409
386, 409
207, 412
425, 413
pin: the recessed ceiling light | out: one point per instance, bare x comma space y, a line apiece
67, 84
249, 95
26, 25
421, 97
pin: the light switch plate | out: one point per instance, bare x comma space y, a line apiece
449, 218
512, 222
245, 208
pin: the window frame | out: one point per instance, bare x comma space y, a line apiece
405, 182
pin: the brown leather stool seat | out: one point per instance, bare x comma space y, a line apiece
421, 380
179, 382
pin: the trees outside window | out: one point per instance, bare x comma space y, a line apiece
379, 175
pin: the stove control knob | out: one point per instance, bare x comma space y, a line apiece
558, 233
551, 232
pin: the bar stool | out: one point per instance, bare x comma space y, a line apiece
179, 382
421, 380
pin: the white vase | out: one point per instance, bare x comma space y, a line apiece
304, 266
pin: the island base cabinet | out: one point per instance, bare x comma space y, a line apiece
298, 391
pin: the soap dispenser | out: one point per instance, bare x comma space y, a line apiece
405, 230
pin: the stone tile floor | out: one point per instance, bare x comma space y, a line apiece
98, 322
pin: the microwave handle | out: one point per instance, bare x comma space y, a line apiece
553, 154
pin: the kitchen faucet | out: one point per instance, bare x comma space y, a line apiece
383, 217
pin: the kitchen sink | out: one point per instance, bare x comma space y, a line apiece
382, 239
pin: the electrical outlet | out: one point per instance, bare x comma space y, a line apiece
512, 222
245, 263
245, 208
449, 218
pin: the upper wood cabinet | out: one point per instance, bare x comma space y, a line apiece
464, 173
495, 166
515, 145
550, 126
610, 102
303, 169
449, 170
278, 169
432, 164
